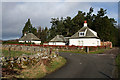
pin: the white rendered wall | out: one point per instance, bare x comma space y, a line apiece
85, 42
21, 41
36, 42
56, 43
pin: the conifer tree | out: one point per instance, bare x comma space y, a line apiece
28, 28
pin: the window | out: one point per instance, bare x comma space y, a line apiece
82, 43
81, 33
79, 43
98, 43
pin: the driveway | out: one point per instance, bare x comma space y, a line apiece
86, 66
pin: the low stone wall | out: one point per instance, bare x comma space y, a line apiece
42, 55
23, 48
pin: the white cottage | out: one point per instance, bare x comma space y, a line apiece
85, 37
58, 40
30, 37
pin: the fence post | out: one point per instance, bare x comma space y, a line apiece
9, 51
87, 49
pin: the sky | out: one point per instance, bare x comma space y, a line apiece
15, 14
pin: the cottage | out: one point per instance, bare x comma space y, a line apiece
58, 40
85, 37
30, 37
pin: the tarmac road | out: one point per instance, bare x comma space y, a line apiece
86, 66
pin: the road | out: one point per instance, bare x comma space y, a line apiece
86, 66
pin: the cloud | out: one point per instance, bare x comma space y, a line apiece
15, 14
111, 7
60, 0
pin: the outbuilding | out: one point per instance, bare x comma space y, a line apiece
58, 40
30, 37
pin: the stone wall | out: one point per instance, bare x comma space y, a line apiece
23, 48
42, 55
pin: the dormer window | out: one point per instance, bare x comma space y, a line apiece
81, 34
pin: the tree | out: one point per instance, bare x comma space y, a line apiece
89, 18
28, 28
42, 34
105, 27
68, 26
57, 28
78, 21
39, 32
100, 22
101, 12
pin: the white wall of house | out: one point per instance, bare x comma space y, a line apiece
36, 42
21, 41
56, 43
85, 42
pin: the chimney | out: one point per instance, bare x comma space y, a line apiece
85, 23
25, 34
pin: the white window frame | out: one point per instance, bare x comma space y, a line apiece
82, 33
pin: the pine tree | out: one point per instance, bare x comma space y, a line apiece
28, 28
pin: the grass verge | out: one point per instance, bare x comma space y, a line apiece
83, 52
97, 52
73, 51
42, 70
118, 64
55, 64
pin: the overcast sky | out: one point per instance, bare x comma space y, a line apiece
15, 14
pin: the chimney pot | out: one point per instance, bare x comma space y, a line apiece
25, 34
85, 23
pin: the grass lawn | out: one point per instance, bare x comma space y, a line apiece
118, 64
98, 51
73, 51
40, 71
7, 53
83, 52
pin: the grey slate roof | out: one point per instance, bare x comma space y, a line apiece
58, 38
29, 37
88, 34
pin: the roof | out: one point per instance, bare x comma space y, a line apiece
58, 38
87, 31
29, 37
67, 38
